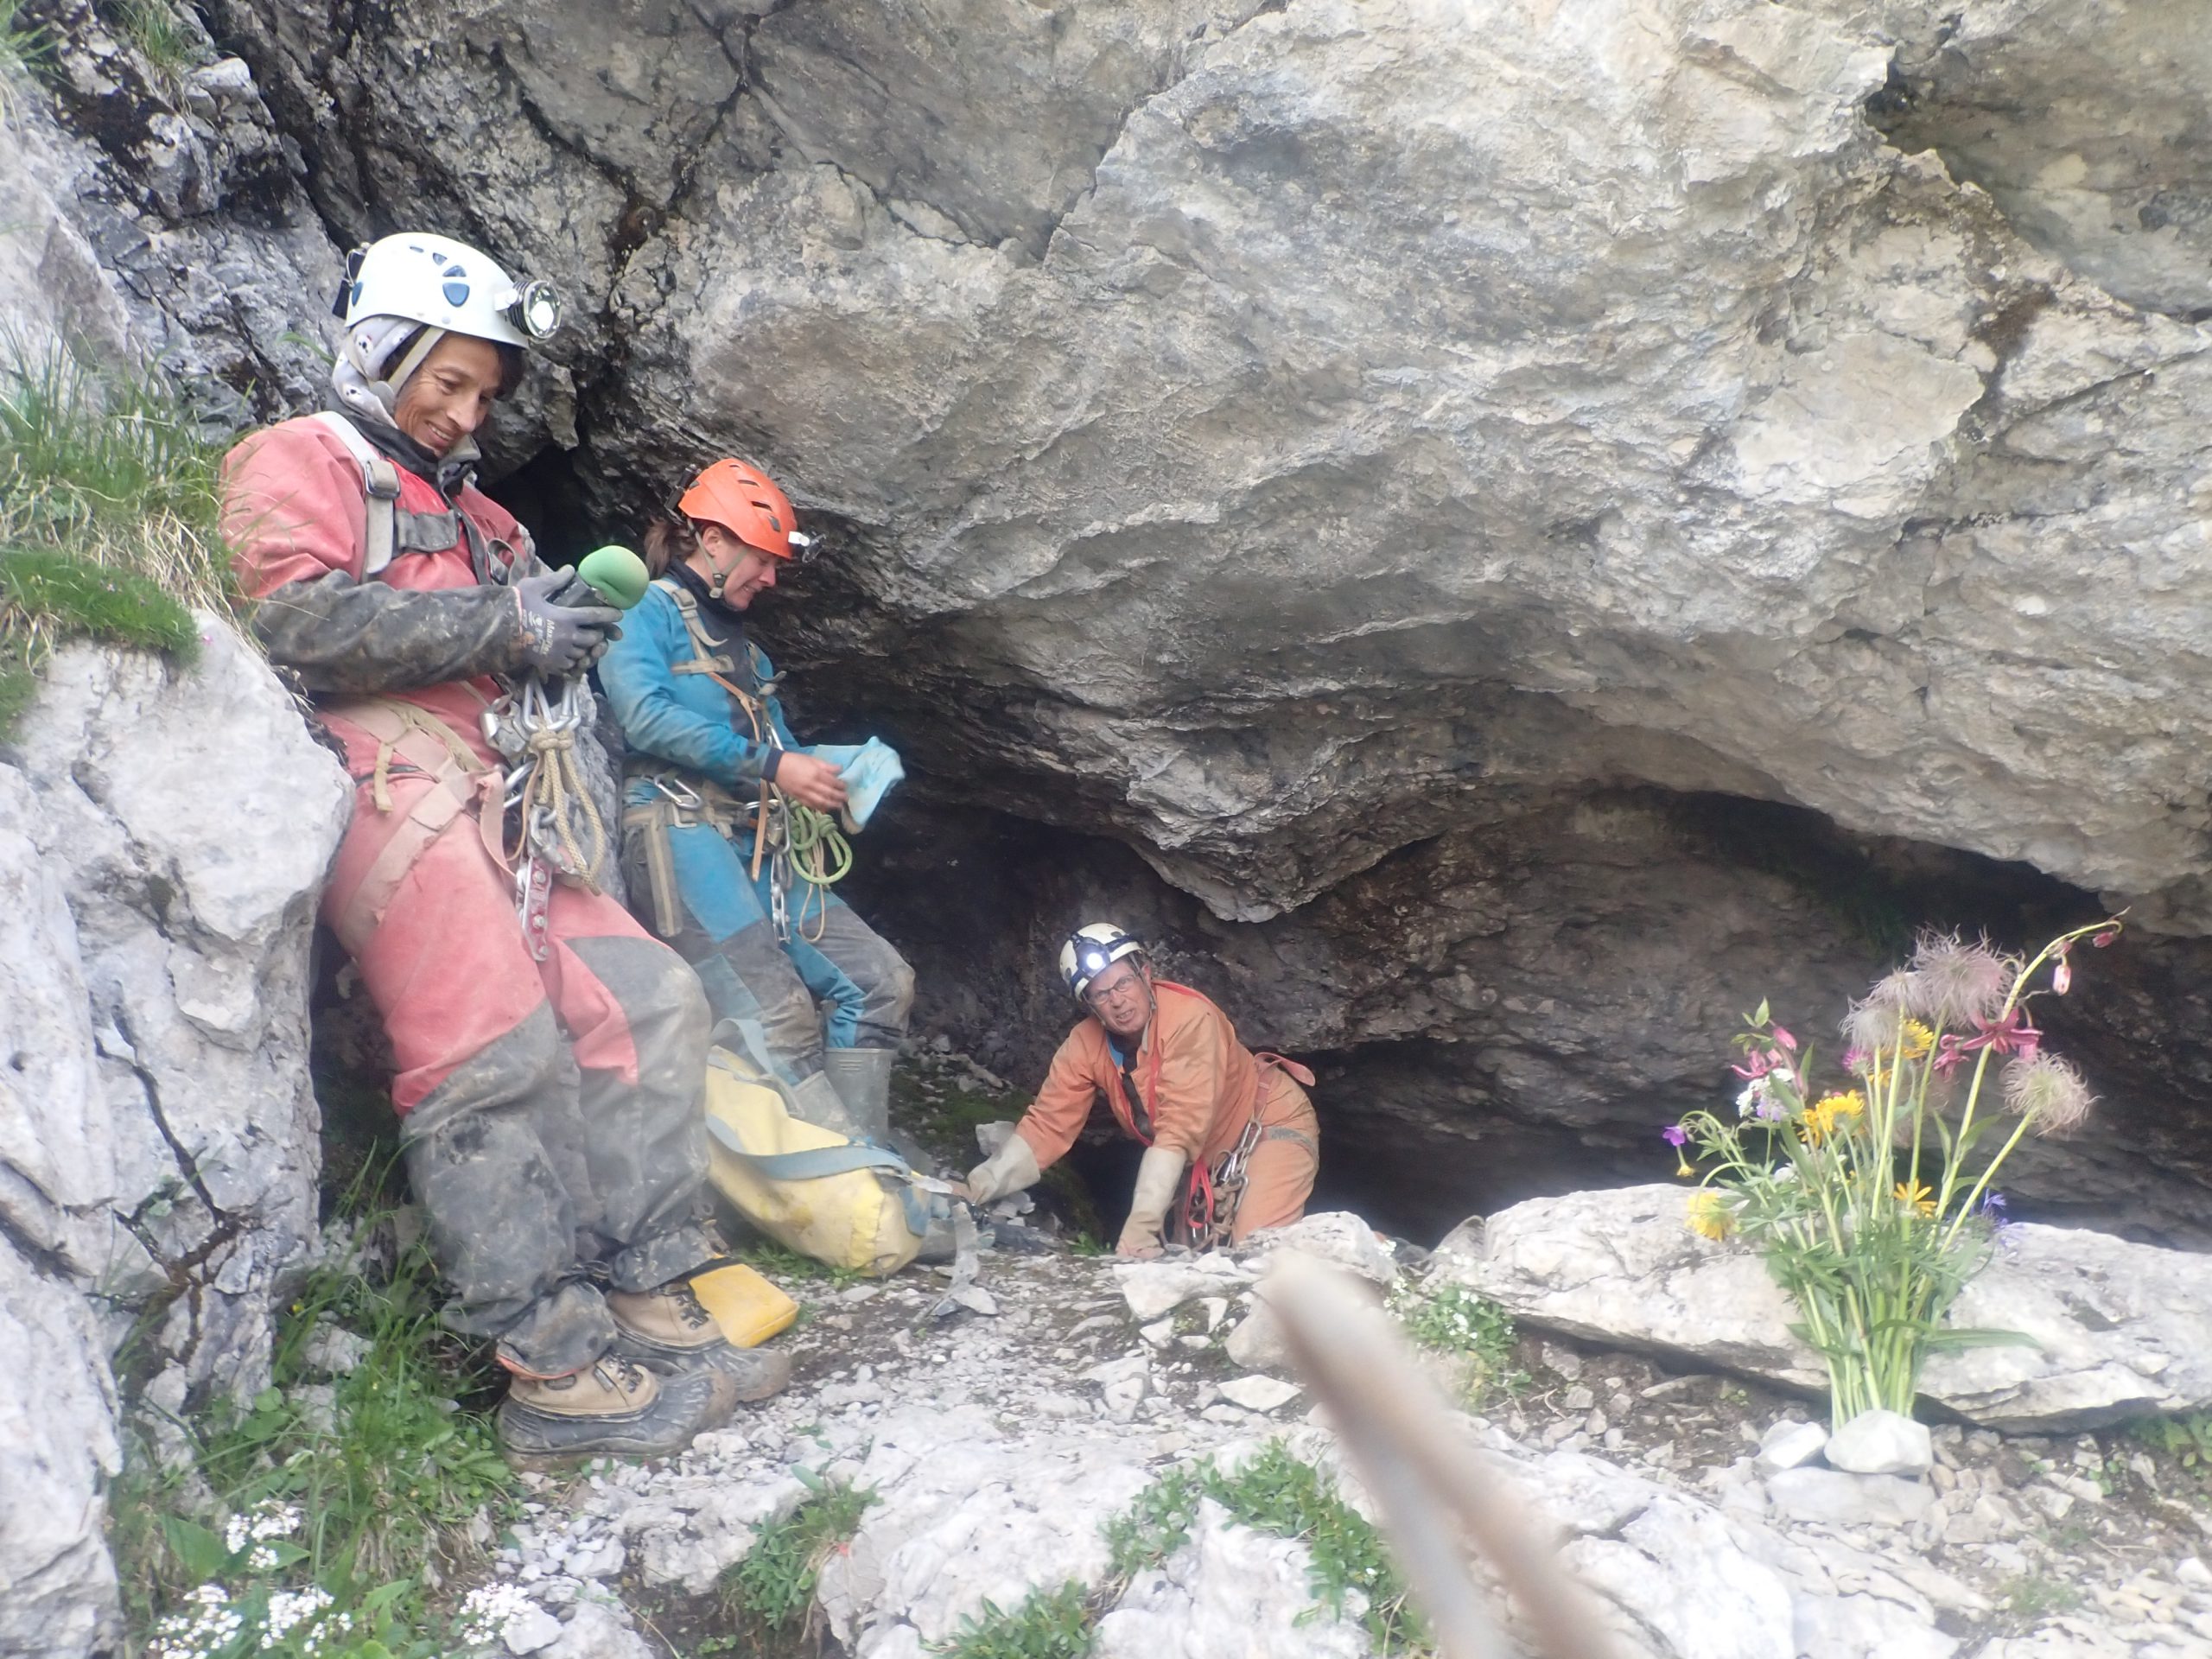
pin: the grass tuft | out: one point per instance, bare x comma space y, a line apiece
161, 34
393, 1473
1048, 1624
108, 512
22, 45
1273, 1491
772, 1587
1453, 1320
1157, 1525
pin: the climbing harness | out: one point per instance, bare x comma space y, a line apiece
1212, 1191
559, 831
392, 530
798, 845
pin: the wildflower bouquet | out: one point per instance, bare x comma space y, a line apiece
1872, 1199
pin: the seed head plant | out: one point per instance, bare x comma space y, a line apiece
1872, 1195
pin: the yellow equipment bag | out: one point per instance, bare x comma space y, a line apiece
846, 1203
747, 1308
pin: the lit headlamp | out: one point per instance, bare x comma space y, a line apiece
1096, 962
536, 310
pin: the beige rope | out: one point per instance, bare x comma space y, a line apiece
556, 783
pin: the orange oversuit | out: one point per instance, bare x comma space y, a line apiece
1196, 1089
553, 1130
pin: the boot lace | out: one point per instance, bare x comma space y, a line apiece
689, 1307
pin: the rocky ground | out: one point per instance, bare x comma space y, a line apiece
998, 1447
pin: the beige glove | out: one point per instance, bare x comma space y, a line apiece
1157, 1178
1009, 1169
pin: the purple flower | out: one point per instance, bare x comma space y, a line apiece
1675, 1135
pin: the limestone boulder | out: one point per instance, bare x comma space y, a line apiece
163, 834
2113, 1330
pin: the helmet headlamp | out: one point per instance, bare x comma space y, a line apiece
536, 310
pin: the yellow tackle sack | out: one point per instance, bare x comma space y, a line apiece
848, 1203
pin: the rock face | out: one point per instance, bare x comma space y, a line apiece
162, 834
1478, 495
156, 211
2116, 1330
1239, 435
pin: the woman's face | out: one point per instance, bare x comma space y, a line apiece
745, 570
451, 394
1121, 998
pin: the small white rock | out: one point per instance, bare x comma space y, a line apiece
528, 1629
1790, 1445
1259, 1393
1881, 1443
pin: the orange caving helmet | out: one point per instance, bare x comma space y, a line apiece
744, 501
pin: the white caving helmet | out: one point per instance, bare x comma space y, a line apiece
1091, 951
419, 287
449, 285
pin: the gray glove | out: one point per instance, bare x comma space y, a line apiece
558, 637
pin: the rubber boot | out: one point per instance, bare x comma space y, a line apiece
816, 1101
669, 1330
612, 1408
861, 1077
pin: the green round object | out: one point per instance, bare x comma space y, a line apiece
617, 573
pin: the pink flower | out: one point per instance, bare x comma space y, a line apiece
1784, 1039
2105, 938
1675, 1135
2011, 1035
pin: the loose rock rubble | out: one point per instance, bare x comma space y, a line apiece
1699, 1508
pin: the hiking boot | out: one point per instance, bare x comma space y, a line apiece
670, 1330
612, 1408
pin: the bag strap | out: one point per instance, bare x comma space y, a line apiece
380, 480
814, 1164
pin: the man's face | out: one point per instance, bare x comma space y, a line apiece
1121, 998
451, 394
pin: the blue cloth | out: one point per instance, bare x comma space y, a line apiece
685, 718
869, 769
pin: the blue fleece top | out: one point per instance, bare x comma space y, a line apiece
685, 718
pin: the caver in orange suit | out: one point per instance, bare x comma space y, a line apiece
1193, 1087
553, 1130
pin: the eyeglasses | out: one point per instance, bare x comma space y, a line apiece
1130, 982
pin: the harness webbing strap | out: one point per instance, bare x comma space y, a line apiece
459, 782
391, 532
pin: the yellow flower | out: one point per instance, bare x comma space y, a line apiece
1685, 1168
1709, 1217
1917, 1196
1914, 1040
1825, 1117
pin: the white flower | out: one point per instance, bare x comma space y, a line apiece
486, 1609
288, 1608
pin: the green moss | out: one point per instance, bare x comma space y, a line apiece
109, 504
